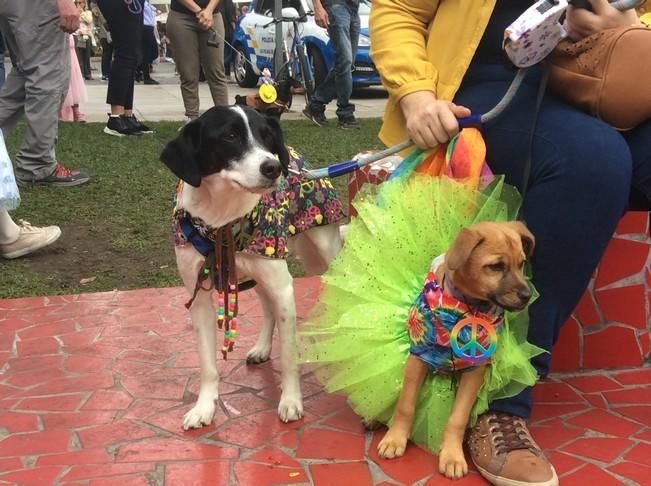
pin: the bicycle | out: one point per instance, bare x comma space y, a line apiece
296, 65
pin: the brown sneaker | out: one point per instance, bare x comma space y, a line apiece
505, 454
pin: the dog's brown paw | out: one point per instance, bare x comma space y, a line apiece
392, 445
452, 463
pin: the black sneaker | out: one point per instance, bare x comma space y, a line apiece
348, 123
150, 81
62, 177
318, 117
118, 126
137, 124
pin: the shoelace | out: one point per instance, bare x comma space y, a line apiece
511, 434
61, 171
26, 227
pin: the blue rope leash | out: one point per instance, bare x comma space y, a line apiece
347, 166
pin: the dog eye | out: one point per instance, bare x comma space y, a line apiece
496, 267
231, 137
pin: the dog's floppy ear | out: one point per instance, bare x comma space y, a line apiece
528, 240
279, 147
465, 242
181, 155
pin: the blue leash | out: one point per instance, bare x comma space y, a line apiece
342, 168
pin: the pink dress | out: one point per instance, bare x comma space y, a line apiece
76, 89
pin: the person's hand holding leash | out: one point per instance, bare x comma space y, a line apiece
431, 122
205, 18
69, 17
581, 23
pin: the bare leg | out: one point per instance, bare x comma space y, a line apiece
394, 442
452, 462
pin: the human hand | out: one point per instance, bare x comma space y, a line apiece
321, 16
431, 122
205, 19
580, 22
68, 16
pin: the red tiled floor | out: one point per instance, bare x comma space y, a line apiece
95, 389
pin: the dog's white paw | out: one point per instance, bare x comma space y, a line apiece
258, 354
290, 407
201, 414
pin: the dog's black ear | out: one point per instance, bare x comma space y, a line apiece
528, 240
279, 147
181, 155
464, 244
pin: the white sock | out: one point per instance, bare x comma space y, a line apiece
9, 231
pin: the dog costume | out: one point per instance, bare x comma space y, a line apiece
380, 302
296, 206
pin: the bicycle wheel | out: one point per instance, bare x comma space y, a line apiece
306, 74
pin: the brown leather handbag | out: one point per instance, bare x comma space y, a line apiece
607, 74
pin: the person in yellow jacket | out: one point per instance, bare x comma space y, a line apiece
440, 60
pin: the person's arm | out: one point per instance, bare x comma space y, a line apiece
399, 50
191, 6
398, 44
205, 16
68, 16
320, 15
581, 22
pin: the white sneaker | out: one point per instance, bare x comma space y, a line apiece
30, 239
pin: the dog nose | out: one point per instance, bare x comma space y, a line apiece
271, 168
524, 294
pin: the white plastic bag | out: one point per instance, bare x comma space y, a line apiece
9, 195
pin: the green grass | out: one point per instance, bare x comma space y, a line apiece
117, 228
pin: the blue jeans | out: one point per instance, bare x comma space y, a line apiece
344, 36
580, 180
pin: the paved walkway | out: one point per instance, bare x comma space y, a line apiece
164, 102
93, 388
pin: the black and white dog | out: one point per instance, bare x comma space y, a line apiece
227, 158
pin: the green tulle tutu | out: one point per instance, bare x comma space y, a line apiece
356, 334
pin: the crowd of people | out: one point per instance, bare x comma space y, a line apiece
51, 43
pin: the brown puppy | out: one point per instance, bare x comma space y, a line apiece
484, 264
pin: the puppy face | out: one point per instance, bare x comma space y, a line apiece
233, 143
486, 262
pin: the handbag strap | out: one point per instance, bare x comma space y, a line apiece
542, 87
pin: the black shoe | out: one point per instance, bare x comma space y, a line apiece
150, 81
317, 117
61, 177
137, 124
348, 123
118, 126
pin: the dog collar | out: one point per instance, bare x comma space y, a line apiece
438, 297
217, 245
483, 306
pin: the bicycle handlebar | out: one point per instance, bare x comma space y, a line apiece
278, 20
